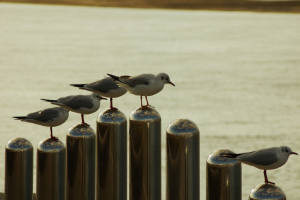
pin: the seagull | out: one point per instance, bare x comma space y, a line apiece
143, 85
50, 117
83, 104
265, 159
105, 87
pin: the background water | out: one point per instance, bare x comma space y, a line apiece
236, 74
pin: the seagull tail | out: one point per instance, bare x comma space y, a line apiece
48, 100
77, 85
116, 78
20, 117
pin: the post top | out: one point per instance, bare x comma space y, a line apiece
183, 127
216, 159
48, 145
81, 130
19, 144
111, 116
267, 191
147, 114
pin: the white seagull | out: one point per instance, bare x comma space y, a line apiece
265, 159
105, 87
49, 117
83, 104
143, 85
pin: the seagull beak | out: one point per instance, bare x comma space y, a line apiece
294, 153
102, 98
172, 83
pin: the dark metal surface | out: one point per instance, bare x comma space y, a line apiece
51, 171
223, 177
18, 169
81, 163
182, 168
266, 192
111, 155
145, 155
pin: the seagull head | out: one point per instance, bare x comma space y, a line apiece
97, 96
287, 151
164, 78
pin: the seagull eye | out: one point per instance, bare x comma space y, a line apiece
162, 78
286, 150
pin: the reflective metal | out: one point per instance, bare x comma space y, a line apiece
267, 191
223, 177
51, 170
111, 155
81, 163
183, 176
18, 169
145, 154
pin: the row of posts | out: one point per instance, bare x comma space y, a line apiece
93, 162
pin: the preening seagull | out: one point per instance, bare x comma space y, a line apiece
83, 104
49, 117
105, 87
143, 85
265, 159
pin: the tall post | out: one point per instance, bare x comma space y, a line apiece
51, 170
267, 191
183, 176
223, 177
145, 154
18, 169
81, 163
111, 155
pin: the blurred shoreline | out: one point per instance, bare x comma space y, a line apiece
220, 5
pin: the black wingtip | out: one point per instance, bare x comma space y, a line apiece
229, 155
48, 100
77, 85
21, 117
114, 77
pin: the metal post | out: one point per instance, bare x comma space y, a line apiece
111, 155
267, 191
145, 155
223, 177
18, 169
51, 170
183, 177
81, 163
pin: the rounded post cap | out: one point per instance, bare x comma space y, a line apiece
50, 146
216, 159
265, 191
183, 128
148, 114
110, 116
19, 144
81, 130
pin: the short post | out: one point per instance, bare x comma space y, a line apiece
81, 163
51, 170
111, 155
18, 169
223, 177
145, 154
267, 191
183, 176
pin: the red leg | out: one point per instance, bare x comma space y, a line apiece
82, 119
266, 178
51, 135
111, 105
148, 103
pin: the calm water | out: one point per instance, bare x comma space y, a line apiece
236, 74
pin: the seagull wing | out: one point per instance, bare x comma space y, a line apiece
103, 85
260, 157
77, 101
44, 115
132, 81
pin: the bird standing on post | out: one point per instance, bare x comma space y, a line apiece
83, 104
143, 85
50, 117
265, 159
105, 87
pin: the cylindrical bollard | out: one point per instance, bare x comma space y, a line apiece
183, 177
223, 177
111, 155
81, 163
51, 170
266, 192
145, 154
18, 169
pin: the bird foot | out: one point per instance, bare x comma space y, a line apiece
54, 138
146, 106
269, 182
114, 108
86, 124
